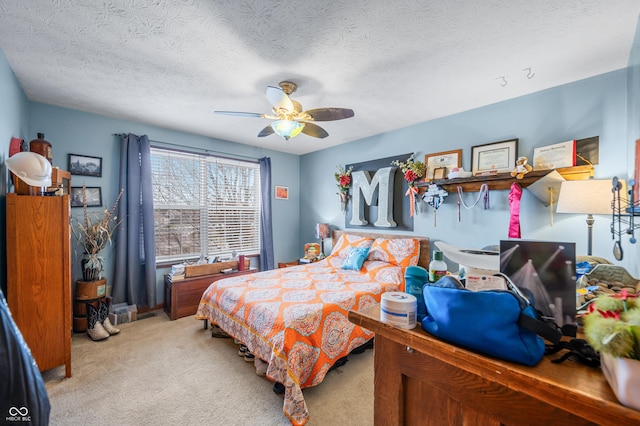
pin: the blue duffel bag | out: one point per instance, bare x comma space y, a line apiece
500, 323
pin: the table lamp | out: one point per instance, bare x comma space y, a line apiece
590, 196
322, 231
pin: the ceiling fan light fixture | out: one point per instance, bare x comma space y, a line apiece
287, 128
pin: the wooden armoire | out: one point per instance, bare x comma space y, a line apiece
39, 275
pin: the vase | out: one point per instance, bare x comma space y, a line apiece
91, 266
344, 198
623, 375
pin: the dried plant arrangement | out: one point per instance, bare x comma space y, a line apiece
93, 234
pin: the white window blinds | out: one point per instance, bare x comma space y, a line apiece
204, 205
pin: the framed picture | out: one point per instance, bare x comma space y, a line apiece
282, 192
555, 156
492, 158
85, 165
311, 251
94, 196
439, 173
446, 159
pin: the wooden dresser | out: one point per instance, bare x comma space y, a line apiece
182, 297
420, 380
39, 275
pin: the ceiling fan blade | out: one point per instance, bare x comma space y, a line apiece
279, 99
266, 131
314, 130
242, 114
329, 114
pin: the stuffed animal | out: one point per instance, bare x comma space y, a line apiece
522, 168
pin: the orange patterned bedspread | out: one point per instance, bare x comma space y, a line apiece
296, 318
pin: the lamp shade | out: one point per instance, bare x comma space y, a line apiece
322, 230
590, 196
287, 128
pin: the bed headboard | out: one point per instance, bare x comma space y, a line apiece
424, 258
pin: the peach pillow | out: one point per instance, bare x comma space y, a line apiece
402, 252
344, 244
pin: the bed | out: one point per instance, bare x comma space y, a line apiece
296, 318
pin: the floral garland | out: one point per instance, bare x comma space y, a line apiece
412, 170
343, 177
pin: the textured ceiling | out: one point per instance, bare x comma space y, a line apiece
171, 63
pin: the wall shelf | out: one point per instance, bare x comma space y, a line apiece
503, 181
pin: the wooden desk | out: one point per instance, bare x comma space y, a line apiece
181, 298
420, 380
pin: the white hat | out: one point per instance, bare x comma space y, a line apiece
31, 167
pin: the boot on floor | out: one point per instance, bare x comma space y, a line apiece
104, 316
95, 330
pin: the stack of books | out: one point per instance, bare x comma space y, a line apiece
177, 272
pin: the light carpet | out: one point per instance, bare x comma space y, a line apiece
163, 372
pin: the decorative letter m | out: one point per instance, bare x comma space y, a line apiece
362, 182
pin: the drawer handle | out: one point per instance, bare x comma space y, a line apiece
410, 349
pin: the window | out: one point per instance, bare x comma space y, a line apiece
204, 205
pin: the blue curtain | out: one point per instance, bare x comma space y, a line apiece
135, 275
266, 228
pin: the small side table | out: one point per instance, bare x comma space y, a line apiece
301, 261
287, 264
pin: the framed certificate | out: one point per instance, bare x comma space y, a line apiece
555, 156
491, 158
446, 159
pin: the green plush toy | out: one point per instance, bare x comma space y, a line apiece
612, 325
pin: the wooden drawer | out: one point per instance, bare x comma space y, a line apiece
181, 298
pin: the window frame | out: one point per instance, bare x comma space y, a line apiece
238, 210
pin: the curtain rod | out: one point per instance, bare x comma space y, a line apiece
207, 151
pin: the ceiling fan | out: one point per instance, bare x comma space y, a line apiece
290, 119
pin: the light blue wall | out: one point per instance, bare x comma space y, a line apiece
14, 113
633, 82
75, 132
592, 107
605, 105
633, 123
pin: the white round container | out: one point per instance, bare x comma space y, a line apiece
399, 309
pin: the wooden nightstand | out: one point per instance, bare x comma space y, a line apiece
287, 264
182, 297
302, 261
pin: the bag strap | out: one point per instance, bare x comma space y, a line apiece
546, 329
540, 327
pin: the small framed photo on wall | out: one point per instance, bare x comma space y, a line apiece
282, 192
93, 193
85, 165
439, 173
